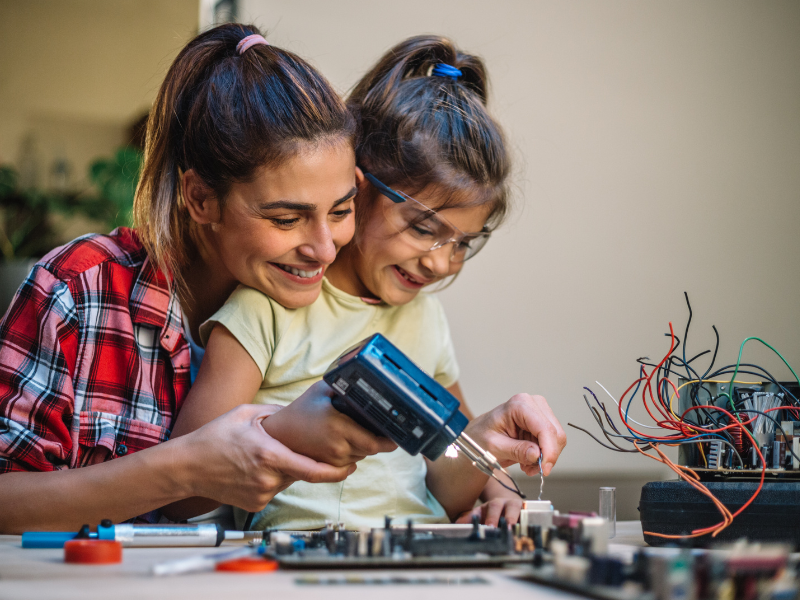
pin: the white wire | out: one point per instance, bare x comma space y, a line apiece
629, 417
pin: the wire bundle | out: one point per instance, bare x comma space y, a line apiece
704, 421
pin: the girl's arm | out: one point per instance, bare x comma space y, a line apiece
514, 432
228, 377
232, 460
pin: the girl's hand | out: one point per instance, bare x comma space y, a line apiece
312, 426
518, 431
235, 461
491, 511
497, 502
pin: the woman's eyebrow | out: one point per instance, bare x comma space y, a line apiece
302, 206
346, 197
288, 205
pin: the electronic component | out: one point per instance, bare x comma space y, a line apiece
608, 508
382, 390
733, 454
395, 547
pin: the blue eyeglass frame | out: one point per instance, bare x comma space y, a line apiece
384, 189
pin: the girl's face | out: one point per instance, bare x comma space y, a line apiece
384, 264
279, 232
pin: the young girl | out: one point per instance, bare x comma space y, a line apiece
432, 185
248, 178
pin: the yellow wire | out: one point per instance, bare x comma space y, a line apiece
704, 381
700, 445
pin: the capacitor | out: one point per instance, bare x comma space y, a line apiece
608, 508
363, 542
377, 542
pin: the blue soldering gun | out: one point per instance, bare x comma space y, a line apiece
382, 390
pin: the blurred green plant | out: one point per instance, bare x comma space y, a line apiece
26, 229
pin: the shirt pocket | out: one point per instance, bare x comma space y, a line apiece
105, 435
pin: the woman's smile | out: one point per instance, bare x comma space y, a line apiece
303, 274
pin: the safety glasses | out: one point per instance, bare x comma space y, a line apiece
424, 228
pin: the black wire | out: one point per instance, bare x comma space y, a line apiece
688, 323
602, 405
764, 373
696, 356
515, 489
598, 441
716, 348
597, 418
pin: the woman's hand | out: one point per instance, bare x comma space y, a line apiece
239, 463
312, 426
231, 460
518, 431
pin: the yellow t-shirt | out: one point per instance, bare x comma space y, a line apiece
293, 348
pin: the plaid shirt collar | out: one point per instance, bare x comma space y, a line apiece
154, 303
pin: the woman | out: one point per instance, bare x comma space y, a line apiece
97, 352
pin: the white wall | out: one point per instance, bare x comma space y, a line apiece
658, 150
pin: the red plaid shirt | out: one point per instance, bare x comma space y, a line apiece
93, 360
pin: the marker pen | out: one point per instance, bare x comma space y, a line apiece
191, 534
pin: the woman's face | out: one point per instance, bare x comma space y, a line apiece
386, 265
279, 232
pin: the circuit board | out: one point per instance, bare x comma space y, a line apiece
567, 552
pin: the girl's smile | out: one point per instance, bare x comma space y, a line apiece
409, 280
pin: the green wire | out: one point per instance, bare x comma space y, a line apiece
738, 362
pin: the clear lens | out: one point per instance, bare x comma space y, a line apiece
469, 246
422, 227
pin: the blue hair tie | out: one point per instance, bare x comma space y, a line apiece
445, 70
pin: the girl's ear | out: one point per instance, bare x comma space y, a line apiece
359, 176
200, 201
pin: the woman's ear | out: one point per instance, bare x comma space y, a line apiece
202, 204
359, 176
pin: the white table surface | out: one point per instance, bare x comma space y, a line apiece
26, 574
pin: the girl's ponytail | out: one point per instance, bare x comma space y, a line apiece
423, 121
417, 57
225, 112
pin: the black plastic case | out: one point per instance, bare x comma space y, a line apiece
675, 507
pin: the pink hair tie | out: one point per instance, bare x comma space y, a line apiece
250, 40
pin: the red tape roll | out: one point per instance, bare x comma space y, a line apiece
248, 565
93, 552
